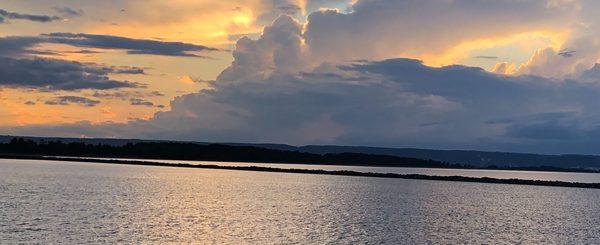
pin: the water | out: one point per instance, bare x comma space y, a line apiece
67, 202
477, 173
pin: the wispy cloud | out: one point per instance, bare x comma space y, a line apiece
7, 15
487, 57
68, 100
23, 45
69, 12
141, 102
132, 46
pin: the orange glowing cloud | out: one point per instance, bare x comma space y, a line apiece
514, 47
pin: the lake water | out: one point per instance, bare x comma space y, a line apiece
478, 173
67, 202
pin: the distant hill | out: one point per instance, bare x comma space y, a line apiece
23, 148
473, 158
101, 141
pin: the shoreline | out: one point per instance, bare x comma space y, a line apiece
318, 172
541, 168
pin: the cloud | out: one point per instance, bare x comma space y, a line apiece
332, 82
272, 9
17, 46
126, 95
504, 68
132, 46
279, 49
6, 15
69, 12
68, 100
546, 130
423, 28
156, 93
398, 102
54, 74
86, 128
24, 45
487, 57
390, 102
315, 5
548, 62
125, 70
567, 54
140, 102
591, 75
577, 54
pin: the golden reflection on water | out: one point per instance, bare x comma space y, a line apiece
54, 202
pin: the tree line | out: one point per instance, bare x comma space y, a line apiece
207, 152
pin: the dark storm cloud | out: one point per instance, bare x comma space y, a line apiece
69, 100
7, 15
53, 74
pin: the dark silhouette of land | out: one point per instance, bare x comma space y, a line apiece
322, 172
209, 152
24, 148
463, 157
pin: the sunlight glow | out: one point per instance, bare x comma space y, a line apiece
520, 46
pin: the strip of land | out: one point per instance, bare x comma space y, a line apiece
232, 153
319, 172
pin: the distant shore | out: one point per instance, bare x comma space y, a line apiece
152, 151
311, 171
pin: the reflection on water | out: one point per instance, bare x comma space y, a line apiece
478, 173
60, 202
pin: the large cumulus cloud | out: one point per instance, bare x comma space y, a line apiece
278, 50
332, 83
579, 52
393, 102
396, 102
378, 29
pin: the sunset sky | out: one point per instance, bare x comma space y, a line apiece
506, 75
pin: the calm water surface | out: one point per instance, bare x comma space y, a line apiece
67, 202
478, 173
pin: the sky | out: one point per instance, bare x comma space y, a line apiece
498, 75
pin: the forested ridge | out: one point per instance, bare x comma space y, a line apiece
206, 152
